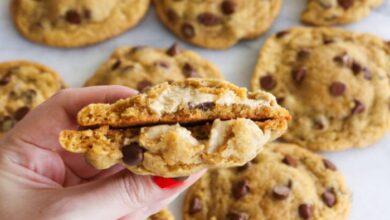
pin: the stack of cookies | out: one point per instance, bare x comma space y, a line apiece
334, 83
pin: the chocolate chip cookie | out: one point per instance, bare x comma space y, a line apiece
72, 23
23, 86
177, 129
335, 84
141, 67
217, 24
164, 214
283, 182
334, 12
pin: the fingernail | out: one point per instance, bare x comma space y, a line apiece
168, 182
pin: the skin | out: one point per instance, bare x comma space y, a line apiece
39, 180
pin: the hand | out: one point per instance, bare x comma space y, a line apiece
39, 180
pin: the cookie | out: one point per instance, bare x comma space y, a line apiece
283, 182
164, 214
195, 139
71, 23
217, 24
141, 67
335, 84
23, 86
334, 12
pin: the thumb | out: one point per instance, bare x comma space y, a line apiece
117, 196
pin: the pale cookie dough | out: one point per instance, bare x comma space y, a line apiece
23, 86
335, 84
217, 24
164, 214
334, 12
283, 182
75, 23
141, 67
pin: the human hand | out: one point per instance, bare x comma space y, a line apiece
39, 180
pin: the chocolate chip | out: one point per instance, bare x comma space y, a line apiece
240, 189
342, 59
5, 79
320, 123
228, 7
29, 95
171, 15
195, 206
189, 71
281, 34
299, 75
358, 108
329, 165
356, 67
21, 112
133, 154
280, 192
202, 106
337, 89
87, 13
181, 178
209, 19
329, 198
163, 64
73, 17
188, 30
267, 82
174, 50
290, 161
116, 65
237, 216
345, 3
305, 211
280, 100
6, 123
303, 53
244, 167
328, 41
141, 86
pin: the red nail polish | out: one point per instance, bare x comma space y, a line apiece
166, 182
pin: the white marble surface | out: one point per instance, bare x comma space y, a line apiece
367, 170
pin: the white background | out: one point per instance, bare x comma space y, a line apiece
367, 170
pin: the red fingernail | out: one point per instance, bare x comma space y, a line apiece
168, 182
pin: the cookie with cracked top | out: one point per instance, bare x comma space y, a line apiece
335, 84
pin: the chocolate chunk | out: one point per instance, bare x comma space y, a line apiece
181, 178
174, 50
21, 112
280, 100
116, 65
5, 79
329, 198
209, 19
358, 108
189, 71
329, 165
163, 64
202, 106
228, 7
281, 34
87, 13
6, 123
133, 154
237, 216
328, 41
345, 4
244, 167
342, 59
320, 123
195, 206
171, 15
267, 82
281, 192
73, 17
299, 75
303, 53
305, 211
337, 89
141, 86
290, 161
240, 189
367, 74
356, 67
188, 30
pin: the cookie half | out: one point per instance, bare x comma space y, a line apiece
335, 84
71, 23
283, 182
334, 12
164, 214
23, 86
142, 67
217, 24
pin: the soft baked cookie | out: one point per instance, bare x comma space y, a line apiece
334, 83
283, 182
217, 24
23, 86
175, 129
334, 12
141, 67
75, 23
164, 214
